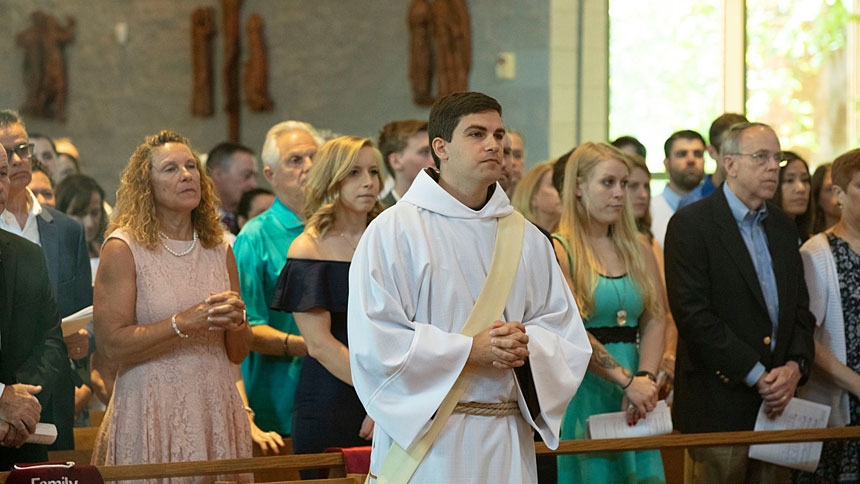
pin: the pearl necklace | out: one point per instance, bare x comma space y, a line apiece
178, 254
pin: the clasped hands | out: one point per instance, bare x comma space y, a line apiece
19, 413
777, 387
640, 397
502, 345
220, 311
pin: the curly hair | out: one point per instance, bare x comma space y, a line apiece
135, 202
574, 220
332, 164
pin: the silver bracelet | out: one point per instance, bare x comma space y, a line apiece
176, 328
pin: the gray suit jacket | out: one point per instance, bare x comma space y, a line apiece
68, 259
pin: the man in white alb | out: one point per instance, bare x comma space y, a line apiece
414, 279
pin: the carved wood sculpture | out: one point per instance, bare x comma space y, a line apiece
256, 77
462, 31
440, 44
45, 73
230, 19
420, 53
202, 31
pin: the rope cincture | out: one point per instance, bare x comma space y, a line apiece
484, 409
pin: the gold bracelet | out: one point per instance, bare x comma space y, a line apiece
287, 345
250, 411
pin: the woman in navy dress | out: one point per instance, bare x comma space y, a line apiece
341, 199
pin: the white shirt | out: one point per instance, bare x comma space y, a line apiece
9, 223
414, 279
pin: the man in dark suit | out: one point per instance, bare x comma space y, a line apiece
64, 247
32, 352
737, 292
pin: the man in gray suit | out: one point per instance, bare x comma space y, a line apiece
62, 241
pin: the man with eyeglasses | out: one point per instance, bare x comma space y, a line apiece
737, 292
64, 247
32, 353
271, 370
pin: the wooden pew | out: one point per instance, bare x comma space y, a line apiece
336, 460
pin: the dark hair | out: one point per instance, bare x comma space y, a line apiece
248, 198
819, 219
73, 195
447, 112
719, 127
37, 165
803, 221
8, 117
394, 136
683, 134
623, 141
558, 171
220, 155
643, 224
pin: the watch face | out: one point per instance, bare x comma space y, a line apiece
802, 365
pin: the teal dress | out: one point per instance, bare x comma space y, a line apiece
597, 395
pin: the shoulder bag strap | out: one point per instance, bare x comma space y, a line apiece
400, 463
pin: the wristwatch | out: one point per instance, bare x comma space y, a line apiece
802, 365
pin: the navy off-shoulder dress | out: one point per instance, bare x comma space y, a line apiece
327, 411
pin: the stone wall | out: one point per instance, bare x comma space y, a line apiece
339, 64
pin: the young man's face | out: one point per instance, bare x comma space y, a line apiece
474, 155
414, 157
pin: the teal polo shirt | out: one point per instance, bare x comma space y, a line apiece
261, 252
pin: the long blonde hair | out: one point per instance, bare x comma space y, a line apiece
525, 191
332, 164
574, 227
135, 202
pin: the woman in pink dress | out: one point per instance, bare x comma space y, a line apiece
168, 314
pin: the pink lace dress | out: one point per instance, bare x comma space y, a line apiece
182, 405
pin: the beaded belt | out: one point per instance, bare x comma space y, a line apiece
503, 409
616, 334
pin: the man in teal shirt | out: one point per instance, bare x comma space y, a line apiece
271, 370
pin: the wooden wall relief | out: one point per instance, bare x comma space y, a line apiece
230, 22
45, 73
420, 53
202, 31
440, 44
256, 77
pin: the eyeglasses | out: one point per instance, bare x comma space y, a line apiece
762, 157
24, 151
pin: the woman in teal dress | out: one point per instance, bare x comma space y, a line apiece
614, 277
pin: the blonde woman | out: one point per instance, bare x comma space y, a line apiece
341, 199
614, 278
537, 199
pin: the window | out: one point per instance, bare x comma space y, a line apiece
666, 69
